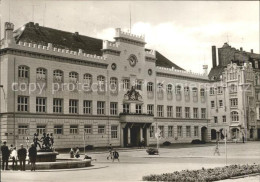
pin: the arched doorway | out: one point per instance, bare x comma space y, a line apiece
213, 134
204, 132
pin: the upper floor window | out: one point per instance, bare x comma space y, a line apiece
232, 75
233, 102
126, 84
101, 82
203, 113
160, 110
187, 112
57, 76
169, 111
87, 107
23, 72
186, 90
202, 92
160, 87
73, 106
40, 104
113, 108
149, 87
256, 64
178, 112
23, 103
234, 116
100, 108
74, 77
233, 88
126, 108
195, 112
195, 92
220, 90
87, 79
178, 89
113, 83
169, 88
138, 84
212, 91
149, 109
212, 103
41, 73
57, 105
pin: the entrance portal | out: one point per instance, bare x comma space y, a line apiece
204, 132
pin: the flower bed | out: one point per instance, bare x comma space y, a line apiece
215, 174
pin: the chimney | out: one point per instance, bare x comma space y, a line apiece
214, 58
9, 27
241, 48
205, 69
252, 51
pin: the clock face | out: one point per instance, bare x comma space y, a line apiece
132, 60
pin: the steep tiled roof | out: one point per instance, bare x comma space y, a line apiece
34, 33
216, 72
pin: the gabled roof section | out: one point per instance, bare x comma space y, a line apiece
34, 33
216, 72
162, 61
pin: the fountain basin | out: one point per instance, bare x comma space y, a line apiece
46, 156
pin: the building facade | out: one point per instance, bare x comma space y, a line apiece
119, 92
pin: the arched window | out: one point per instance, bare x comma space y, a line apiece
74, 77
101, 82
169, 88
178, 89
187, 90
234, 116
87, 79
149, 87
195, 91
202, 92
113, 83
58, 76
160, 87
23, 72
41, 73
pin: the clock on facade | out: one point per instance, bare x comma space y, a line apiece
113, 66
132, 60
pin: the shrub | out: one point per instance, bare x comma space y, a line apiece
152, 151
89, 147
167, 143
215, 174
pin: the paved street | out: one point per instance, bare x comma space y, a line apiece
135, 163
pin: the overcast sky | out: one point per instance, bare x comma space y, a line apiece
183, 31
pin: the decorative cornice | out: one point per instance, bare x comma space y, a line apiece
167, 75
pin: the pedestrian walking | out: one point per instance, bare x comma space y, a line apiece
14, 158
77, 153
217, 149
115, 156
21, 157
71, 153
110, 151
5, 156
243, 138
33, 156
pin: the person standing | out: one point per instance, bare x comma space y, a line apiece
14, 158
115, 156
77, 153
243, 138
5, 156
22, 156
71, 153
33, 156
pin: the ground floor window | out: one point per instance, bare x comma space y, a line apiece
188, 132
23, 129
114, 131
179, 131
151, 131
170, 131
73, 129
101, 129
88, 129
41, 129
196, 131
58, 129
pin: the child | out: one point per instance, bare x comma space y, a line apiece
71, 153
115, 156
14, 158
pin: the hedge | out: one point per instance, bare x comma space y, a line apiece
215, 174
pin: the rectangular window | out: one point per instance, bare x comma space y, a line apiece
40, 104
100, 107
126, 108
113, 108
188, 132
179, 131
126, 84
73, 129
114, 131
196, 131
138, 108
149, 87
101, 129
212, 103
220, 102
220, 90
212, 91
23, 129
138, 85
151, 131
88, 129
203, 113
41, 129
23, 72
187, 112
170, 131
233, 102
87, 107
58, 129
224, 119
23, 103
161, 128
202, 92
159, 111
149, 109
178, 90
169, 111
57, 105
215, 119
73, 106
178, 112
195, 112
